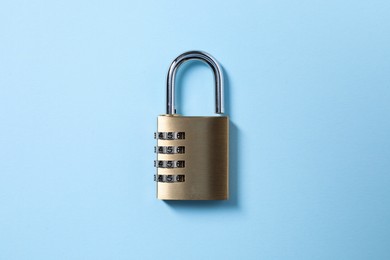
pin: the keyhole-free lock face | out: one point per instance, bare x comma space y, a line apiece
192, 151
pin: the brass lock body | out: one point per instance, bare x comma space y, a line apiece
192, 151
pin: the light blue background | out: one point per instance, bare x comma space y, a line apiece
307, 89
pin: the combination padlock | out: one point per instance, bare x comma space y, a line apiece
192, 151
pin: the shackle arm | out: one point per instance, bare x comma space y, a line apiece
218, 78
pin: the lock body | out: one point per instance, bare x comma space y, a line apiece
192, 157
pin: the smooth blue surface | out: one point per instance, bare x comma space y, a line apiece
308, 92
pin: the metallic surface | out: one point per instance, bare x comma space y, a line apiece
218, 76
206, 158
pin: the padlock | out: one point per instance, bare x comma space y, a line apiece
192, 151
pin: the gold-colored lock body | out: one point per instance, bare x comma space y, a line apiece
205, 172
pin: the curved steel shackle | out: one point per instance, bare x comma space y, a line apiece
195, 55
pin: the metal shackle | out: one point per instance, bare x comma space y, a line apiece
218, 77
